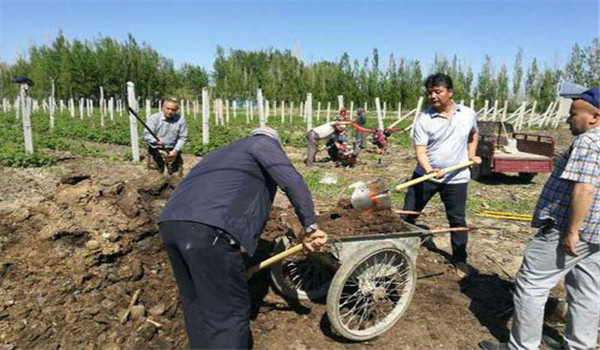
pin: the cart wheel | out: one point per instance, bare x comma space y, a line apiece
306, 278
371, 291
527, 177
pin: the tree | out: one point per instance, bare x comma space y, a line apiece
518, 73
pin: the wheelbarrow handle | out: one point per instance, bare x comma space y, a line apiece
275, 258
432, 175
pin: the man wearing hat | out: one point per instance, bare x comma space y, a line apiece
567, 244
215, 215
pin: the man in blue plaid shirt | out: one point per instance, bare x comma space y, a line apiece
567, 244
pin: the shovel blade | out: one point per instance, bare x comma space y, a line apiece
364, 197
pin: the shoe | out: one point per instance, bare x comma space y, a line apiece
490, 345
463, 269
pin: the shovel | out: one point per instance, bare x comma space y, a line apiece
364, 197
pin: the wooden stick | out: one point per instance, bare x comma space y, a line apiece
293, 250
503, 213
432, 175
134, 299
517, 218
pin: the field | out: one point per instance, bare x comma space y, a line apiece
78, 238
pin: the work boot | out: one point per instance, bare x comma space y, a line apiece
490, 345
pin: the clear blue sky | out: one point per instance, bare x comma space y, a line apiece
189, 31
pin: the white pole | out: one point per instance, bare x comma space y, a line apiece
135, 147
379, 114
81, 108
349, 113
247, 112
309, 111
340, 101
227, 111
111, 109
101, 105
205, 117
318, 111
26, 114
282, 111
234, 109
399, 110
261, 107
51, 107
328, 115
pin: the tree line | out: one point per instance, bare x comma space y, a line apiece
79, 68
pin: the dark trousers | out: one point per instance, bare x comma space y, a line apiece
210, 274
454, 197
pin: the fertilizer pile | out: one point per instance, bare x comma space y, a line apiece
73, 263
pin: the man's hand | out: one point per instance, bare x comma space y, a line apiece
315, 240
569, 243
160, 143
475, 159
172, 154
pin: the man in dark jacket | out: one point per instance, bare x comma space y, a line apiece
214, 216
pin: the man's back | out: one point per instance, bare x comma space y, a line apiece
232, 188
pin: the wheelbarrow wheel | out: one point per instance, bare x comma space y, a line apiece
302, 278
370, 291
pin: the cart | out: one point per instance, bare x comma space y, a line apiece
367, 280
533, 154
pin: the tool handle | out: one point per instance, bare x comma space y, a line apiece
275, 258
432, 175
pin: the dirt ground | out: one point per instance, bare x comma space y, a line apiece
79, 243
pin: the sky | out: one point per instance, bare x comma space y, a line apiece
189, 31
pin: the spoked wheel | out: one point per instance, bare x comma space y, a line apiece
303, 278
371, 291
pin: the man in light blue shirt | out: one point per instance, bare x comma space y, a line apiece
171, 129
444, 135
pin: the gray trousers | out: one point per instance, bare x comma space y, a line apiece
312, 140
545, 263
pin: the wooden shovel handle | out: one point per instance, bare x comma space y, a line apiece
275, 258
432, 175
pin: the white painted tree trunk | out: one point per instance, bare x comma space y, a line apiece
282, 110
328, 114
340, 101
51, 107
135, 146
349, 112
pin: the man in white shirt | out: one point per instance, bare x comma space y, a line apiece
321, 132
444, 135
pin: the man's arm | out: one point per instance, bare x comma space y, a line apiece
583, 169
472, 147
581, 202
182, 136
274, 160
152, 123
423, 160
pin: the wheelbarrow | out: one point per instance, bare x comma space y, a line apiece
367, 280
